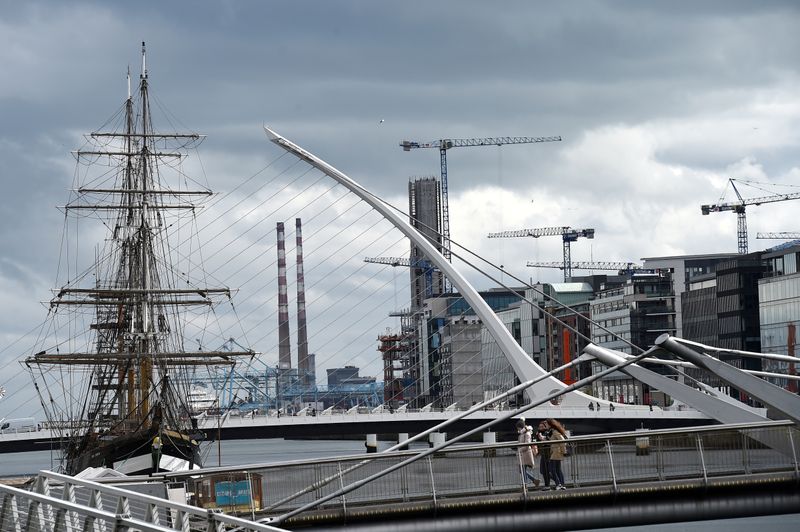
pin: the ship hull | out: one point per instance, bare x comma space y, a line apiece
133, 453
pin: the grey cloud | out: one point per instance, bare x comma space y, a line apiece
325, 73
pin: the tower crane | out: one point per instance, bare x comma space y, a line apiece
784, 235
739, 208
445, 144
622, 267
415, 262
567, 234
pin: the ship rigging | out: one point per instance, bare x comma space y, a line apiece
111, 367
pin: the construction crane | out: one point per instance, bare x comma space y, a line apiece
621, 267
785, 235
415, 262
739, 208
445, 144
567, 234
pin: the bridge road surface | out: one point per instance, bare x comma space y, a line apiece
577, 420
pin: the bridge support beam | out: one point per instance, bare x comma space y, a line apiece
709, 405
773, 396
704, 401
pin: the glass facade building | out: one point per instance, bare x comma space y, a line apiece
779, 311
635, 313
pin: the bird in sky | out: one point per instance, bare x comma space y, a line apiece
381, 121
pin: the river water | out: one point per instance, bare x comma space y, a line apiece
234, 452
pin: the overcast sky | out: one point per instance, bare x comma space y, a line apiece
658, 103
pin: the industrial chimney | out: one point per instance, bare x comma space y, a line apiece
304, 365
284, 343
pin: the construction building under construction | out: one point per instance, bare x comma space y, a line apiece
425, 213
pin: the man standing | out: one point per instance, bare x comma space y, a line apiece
156, 453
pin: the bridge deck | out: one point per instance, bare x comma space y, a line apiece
579, 420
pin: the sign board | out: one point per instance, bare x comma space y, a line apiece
232, 493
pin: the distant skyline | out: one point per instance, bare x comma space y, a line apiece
658, 103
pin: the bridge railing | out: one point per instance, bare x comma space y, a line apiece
608, 460
59, 502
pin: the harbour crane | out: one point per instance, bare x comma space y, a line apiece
567, 234
784, 235
621, 267
445, 144
415, 262
739, 208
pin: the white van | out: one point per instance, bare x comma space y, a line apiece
23, 424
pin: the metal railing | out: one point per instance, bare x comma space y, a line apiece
216, 496
469, 470
59, 502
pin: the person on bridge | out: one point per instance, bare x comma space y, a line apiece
557, 452
542, 434
156, 453
527, 453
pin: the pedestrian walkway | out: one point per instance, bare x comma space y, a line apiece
608, 462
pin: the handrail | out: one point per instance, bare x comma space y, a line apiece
467, 447
86, 511
157, 501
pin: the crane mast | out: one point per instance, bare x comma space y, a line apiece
567, 234
445, 144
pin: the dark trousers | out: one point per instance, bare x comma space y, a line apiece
544, 469
556, 473
156, 455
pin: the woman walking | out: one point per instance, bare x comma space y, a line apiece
557, 452
542, 434
527, 453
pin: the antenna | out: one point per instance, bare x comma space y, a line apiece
129, 82
144, 62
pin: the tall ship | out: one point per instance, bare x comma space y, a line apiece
113, 365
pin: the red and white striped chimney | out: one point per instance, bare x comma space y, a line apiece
303, 363
284, 343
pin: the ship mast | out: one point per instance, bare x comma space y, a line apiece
138, 344
144, 241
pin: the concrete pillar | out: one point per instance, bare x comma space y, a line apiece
436, 438
372, 443
401, 437
642, 442
489, 438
